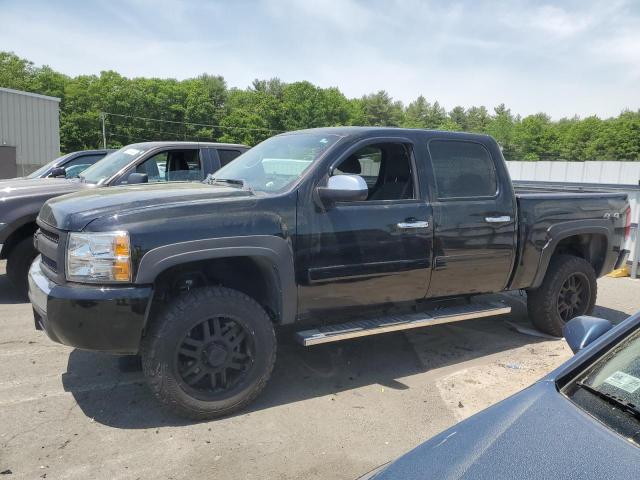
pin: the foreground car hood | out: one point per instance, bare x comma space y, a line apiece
537, 433
74, 212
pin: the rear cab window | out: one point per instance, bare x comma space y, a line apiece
462, 169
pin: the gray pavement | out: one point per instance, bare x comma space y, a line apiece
330, 411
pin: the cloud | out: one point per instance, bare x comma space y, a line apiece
564, 57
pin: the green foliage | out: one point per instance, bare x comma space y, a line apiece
203, 108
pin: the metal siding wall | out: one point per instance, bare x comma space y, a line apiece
32, 125
580, 172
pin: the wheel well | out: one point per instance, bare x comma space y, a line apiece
22, 232
591, 247
253, 276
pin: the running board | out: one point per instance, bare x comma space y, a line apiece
392, 323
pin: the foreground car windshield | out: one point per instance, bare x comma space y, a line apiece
613, 381
112, 164
41, 171
278, 162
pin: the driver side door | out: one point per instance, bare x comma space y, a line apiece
370, 252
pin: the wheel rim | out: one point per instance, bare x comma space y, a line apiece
574, 296
214, 357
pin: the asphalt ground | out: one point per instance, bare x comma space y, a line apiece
330, 411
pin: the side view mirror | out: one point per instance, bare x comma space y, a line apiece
135, 178
344, 188
58, 172
584, 330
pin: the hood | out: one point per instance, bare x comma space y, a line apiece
74, 212
537, 433
26, 187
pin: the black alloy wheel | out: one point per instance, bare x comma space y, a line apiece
214, 357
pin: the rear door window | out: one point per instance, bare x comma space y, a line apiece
462, 169
227, 156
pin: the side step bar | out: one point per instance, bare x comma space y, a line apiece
391, 323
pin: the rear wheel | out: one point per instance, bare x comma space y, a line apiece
568, 290
18, 263
210, 353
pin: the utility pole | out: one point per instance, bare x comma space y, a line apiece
104, 134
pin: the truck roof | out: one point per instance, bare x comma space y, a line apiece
186, 144
358, 131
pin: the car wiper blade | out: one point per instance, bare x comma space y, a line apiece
229, 181
614, 400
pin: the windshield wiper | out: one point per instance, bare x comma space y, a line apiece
621, 403
229, 181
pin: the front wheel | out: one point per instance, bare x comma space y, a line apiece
568, 290
209, 353
18, 263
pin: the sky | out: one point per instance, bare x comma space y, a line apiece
564, 58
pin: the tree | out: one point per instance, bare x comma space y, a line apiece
379, 109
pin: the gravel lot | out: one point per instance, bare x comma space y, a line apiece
330, 411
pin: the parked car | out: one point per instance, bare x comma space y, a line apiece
69, 165
137, 163
394, 228
580, 421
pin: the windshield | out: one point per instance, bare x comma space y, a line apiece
43, 169
614, 380
278, 162
112, 163
618, 373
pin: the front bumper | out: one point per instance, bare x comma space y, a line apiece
101, 318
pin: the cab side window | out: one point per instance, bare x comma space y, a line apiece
226, 156
386, 168
173, 166
462, 169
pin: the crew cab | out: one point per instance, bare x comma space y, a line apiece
152, 162
334, 232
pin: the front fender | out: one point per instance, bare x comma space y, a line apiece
276, 250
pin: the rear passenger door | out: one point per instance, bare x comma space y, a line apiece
474, 220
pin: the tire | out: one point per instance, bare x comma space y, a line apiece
18, 263
548, 305
239, 340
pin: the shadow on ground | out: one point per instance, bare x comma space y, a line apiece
8, 295
112, 391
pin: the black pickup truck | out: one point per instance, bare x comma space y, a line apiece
338, 232
150, 162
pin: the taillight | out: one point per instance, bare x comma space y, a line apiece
627, 224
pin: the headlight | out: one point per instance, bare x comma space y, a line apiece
99, 257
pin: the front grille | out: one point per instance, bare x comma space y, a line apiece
51, 244
53, 236
50, 264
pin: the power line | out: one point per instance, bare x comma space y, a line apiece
193, 123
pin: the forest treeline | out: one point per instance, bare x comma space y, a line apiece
205, 108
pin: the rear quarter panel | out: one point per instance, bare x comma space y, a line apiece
547, 218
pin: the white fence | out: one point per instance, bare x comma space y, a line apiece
618, 176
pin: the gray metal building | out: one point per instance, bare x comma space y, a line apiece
29, 131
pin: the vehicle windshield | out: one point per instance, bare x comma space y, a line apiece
112, 163
43, 169
276, 163
618, 373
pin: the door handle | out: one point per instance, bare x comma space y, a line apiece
503, 219
416, 224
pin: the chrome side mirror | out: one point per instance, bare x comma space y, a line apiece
344, 188
581, 331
